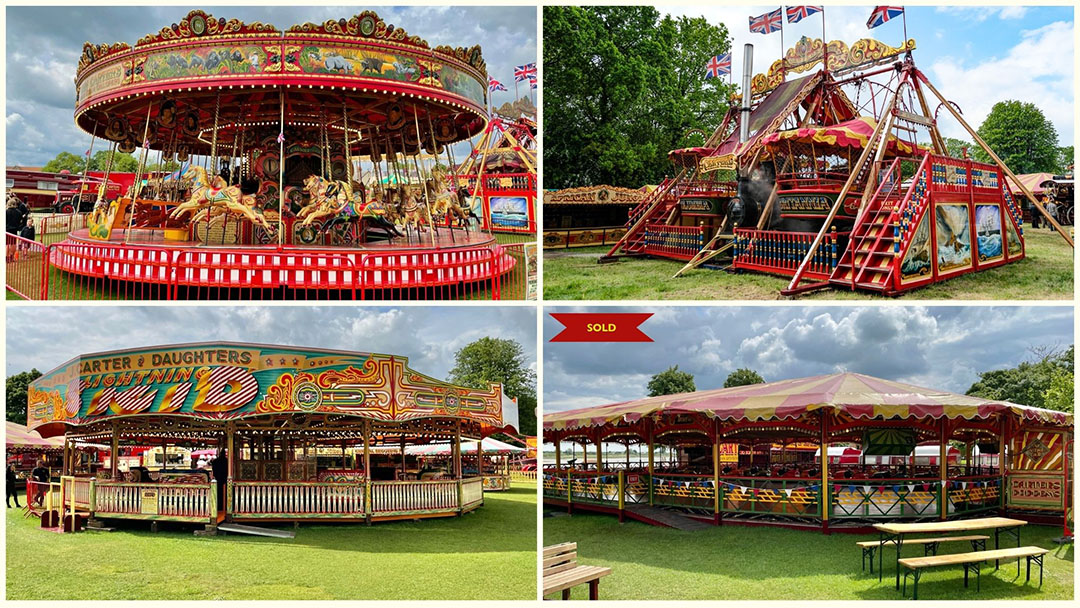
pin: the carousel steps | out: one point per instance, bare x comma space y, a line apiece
255, 530
660, 517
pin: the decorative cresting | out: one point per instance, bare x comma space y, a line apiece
361, 54
809, 52
225, 381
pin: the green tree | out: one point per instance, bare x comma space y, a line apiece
169, 165
1066, 160
1038, 382
122, 163
956, 147
497, 360
622, 87
671, 381
65, 160
15, 406
1059, 395
1021, 135
742, 377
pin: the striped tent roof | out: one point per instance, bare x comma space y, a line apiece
856, 395
491, 446
1033, 182
21, 438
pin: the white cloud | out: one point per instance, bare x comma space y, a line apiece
1030, 71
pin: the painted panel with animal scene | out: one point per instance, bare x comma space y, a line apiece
400, 67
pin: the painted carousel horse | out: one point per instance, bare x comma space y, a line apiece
443, 199
337, 200
212, 198
412, 209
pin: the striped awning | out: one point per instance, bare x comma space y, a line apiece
856, 395
491, 446
21, 438
853, 133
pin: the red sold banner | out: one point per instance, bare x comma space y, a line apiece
601, 326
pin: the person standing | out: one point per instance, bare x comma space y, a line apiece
220, 467
12, 492
1052, 211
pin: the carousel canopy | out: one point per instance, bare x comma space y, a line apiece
207, 80
491, 446
848, 134
856, 395
218, 382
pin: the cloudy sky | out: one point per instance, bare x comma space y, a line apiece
44, 45
976, 56
429, 336
941, 347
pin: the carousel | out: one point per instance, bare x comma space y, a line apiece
753, 454
319, 157
492, 462
293, 434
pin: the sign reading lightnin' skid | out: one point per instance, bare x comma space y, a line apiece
227, 381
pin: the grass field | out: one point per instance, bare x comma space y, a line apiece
1046, 274
487, 554
758, 563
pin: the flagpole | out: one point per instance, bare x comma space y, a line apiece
783, 67
904, 17
824, 41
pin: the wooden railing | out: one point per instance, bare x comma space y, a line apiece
171, 501
781, 252
522, 475
401, 497
472, 492
297, 499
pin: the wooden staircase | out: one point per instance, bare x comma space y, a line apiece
876, 247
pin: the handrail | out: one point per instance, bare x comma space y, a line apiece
860, 217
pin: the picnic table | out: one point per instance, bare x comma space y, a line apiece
895, 532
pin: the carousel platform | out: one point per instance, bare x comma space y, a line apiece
453, 257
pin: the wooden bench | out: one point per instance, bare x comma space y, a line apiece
561, 571
930, 545
971, 561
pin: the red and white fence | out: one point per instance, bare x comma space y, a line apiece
108, 271
25, 262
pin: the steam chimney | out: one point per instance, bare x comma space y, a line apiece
744, 112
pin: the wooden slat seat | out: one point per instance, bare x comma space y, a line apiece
930, 545
561, 571
971, 562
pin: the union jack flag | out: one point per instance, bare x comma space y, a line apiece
796, 14
532, 81
882, 14
494, 85
718, 66
523, 72
768, 23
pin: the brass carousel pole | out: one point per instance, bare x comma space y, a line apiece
137, 188
281, 170
423, 184
86, 168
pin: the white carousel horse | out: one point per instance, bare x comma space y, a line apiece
211, 199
